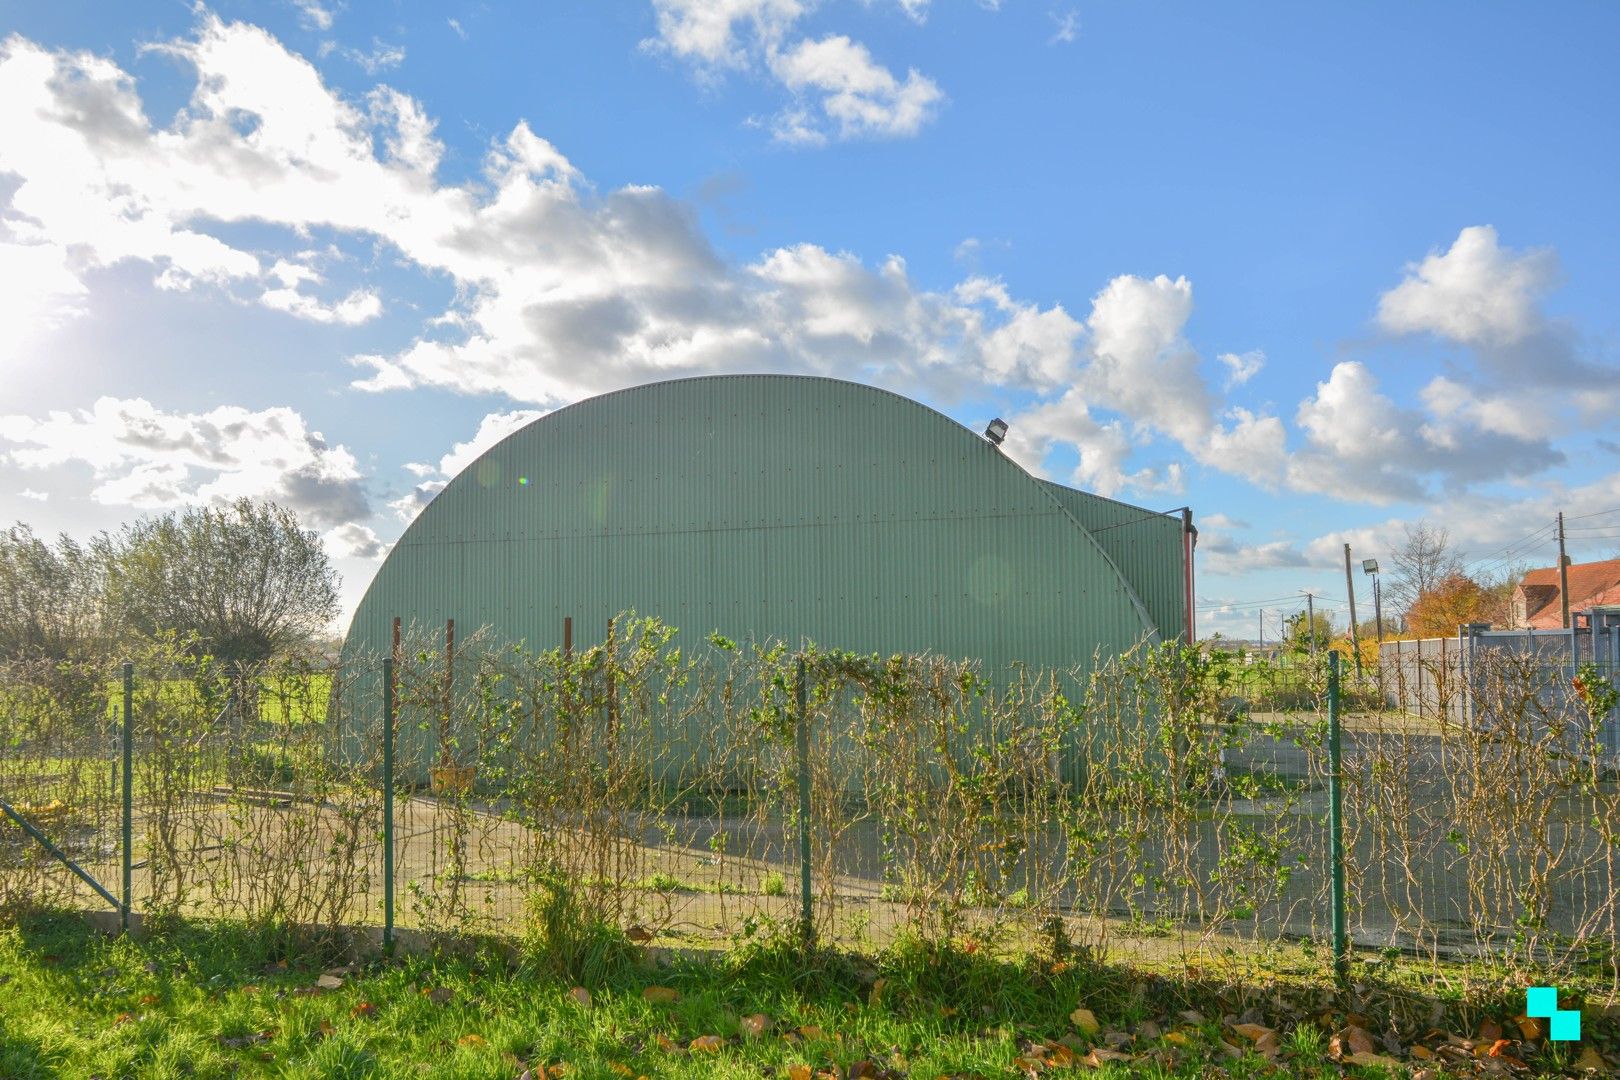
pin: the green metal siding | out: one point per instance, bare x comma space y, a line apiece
1148, 548
765, 507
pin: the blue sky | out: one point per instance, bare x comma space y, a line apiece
1319, 273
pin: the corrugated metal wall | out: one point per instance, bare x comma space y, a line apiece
1148, 548
770, 507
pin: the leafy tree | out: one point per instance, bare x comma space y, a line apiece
1301, 629
1421, 563
246, 579
1455, 600
53, 599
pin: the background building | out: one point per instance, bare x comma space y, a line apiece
781, 507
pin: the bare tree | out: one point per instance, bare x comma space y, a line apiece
1421, 563
247, 579
53, 599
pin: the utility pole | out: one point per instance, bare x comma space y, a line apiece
1262, 627
1563, 573
1310, 621
1350, 588
1378, 608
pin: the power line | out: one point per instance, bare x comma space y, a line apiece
1507, 551
1593, 514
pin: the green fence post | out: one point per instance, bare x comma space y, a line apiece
802, 723
388, 806
1341, 946
129, 796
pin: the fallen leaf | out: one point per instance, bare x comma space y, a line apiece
1098, 1057
329, 981
1383, 1061
877, 991
621, 1068
661, 995
1529, 1027
1489, 1031
364, 1011
1351, 1040
149, 999
706, 1044
756, 1025
124, 1018
639, 934
581, 996
862, 1069
665, 1043
438, 995
811, 1032
470, 1040
1252, 1032
1086, 1020
1422, 1053
1591, 1060
798, 1072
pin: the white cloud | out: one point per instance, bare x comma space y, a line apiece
838, 90
1141, 365
408, 505
37, 496
491, 430
354, 541
1477, 293
1221, 555
857, 96
723, 33
313, 14
38, 292
562, 292
455, 24
381, 57
144, 457
1362, 446
1067, 27
915, 10
1241, 367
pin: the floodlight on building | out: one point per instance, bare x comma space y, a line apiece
996, 431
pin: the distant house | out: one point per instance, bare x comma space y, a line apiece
1536, 602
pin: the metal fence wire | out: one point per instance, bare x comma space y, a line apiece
1167, 803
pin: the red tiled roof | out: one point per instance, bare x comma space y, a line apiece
1590, 584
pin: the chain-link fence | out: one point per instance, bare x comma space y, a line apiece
1172, 803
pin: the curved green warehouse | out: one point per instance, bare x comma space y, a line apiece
785, 507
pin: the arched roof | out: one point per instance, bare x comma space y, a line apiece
770, 506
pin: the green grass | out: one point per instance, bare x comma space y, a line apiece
224, 1001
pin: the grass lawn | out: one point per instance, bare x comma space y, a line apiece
223, 1001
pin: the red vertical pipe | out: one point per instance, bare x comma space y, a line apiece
1188, 544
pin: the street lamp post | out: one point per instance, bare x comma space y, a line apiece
1370, 566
